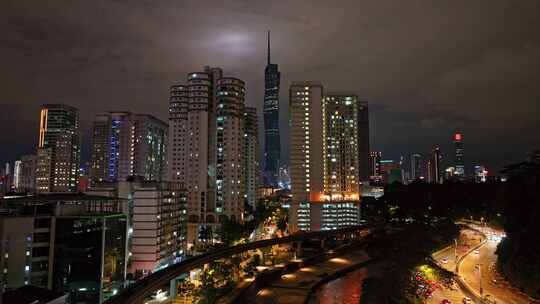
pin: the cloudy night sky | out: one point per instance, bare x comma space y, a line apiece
426, 67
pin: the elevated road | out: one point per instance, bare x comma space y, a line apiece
137, 292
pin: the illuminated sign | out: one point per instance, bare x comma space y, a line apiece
457, 136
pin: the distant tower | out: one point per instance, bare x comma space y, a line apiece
271, 121
416, 169
435, 172
58, 149
458, 146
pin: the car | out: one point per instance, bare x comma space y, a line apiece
467, 300
446, 301
477, 251
444, 261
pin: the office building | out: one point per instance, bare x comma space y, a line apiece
158, 216
458, 161
17, 171
58, 149
417, 172
375, 173
364, 156
207, 148
272, 144
251, 147
480, 174
324, 158
534, 156
126, 144
70, 243
27, 174
434, 165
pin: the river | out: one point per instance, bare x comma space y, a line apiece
344, 290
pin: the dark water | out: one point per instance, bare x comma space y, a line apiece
345, 290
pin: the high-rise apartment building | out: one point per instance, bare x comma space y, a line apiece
251, 165
271, 122
207, 148
434, 165
341, 143
58, 149
324, 158
126, 144
458, 161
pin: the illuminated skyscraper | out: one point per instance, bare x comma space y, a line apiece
324, 158
58, 149
458, 161
127, 144
271, 121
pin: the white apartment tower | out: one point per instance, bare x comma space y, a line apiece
206, 121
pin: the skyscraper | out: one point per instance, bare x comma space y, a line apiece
27, 181
207, 148
416, 167
341, 143
435, 170
58, 149
17, 171
324, 158
363, 141
458, 161
271, 121
251, 146
127, 144
375, 165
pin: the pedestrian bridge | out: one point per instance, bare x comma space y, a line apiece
140, 291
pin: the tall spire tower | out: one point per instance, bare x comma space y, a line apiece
268, 56
271, 121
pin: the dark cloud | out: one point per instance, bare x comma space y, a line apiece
427, 67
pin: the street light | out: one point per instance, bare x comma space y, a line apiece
480, 276
455, 250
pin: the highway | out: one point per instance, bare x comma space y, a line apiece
467, 239
476, 264
482, 264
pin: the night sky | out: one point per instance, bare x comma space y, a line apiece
426, 67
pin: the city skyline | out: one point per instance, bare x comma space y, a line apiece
441, 91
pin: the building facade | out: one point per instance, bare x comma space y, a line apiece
458, 161
251, 164
364, 156
126, 144
70, 243
157, 228
324, 158
207, 148
272, 144
59, 148
416, 167
434, 165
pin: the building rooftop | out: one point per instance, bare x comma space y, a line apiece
55, 197
31, 294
